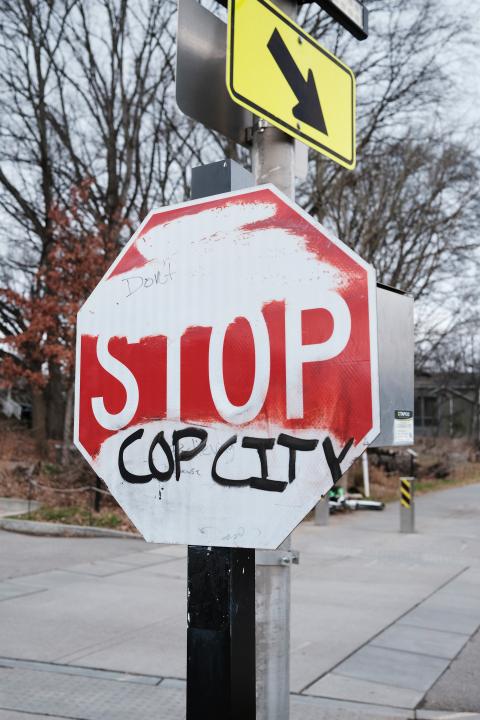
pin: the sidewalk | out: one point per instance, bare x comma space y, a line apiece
12, 506
94, 629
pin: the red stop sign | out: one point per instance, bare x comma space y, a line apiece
227, 370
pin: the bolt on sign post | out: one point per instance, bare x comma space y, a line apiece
282, 74
227, 370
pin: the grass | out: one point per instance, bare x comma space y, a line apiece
467, 476
74, 515
387, 488
51, 468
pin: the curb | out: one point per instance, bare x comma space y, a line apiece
32, 527
445, 715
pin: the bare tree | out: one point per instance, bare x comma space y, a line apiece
86, 98
30, 171
117, 118
410, 210
448, 324
410, 206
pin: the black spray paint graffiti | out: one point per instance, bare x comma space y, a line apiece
261, 445
179, 455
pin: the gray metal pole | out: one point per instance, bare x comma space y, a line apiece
272, 628
407, 505
273, 161
273, 158
322, 512
273, 152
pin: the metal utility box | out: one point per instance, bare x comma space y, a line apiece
396, 367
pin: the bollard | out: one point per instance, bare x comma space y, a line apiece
366, 475
322, 511
407, 505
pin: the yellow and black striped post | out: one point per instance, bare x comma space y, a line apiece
407, 505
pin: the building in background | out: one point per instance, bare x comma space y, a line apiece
447, 405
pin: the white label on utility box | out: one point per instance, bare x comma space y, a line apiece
403, 427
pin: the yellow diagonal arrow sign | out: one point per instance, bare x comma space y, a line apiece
282, 74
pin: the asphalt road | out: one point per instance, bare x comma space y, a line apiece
458, 689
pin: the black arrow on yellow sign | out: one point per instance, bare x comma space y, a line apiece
308, 109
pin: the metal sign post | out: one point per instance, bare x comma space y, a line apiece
273, 160
221, 634
221, 581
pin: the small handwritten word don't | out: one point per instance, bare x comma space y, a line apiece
141, 282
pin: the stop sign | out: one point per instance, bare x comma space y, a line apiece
227, 370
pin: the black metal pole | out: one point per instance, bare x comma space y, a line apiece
221, 581
221, 634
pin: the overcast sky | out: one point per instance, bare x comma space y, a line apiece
466, 68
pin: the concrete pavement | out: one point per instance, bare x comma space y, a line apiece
95, 628
12, 506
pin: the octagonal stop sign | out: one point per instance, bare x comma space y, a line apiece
227, 370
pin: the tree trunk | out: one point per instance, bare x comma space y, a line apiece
67, 425
39, 421
55, 403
